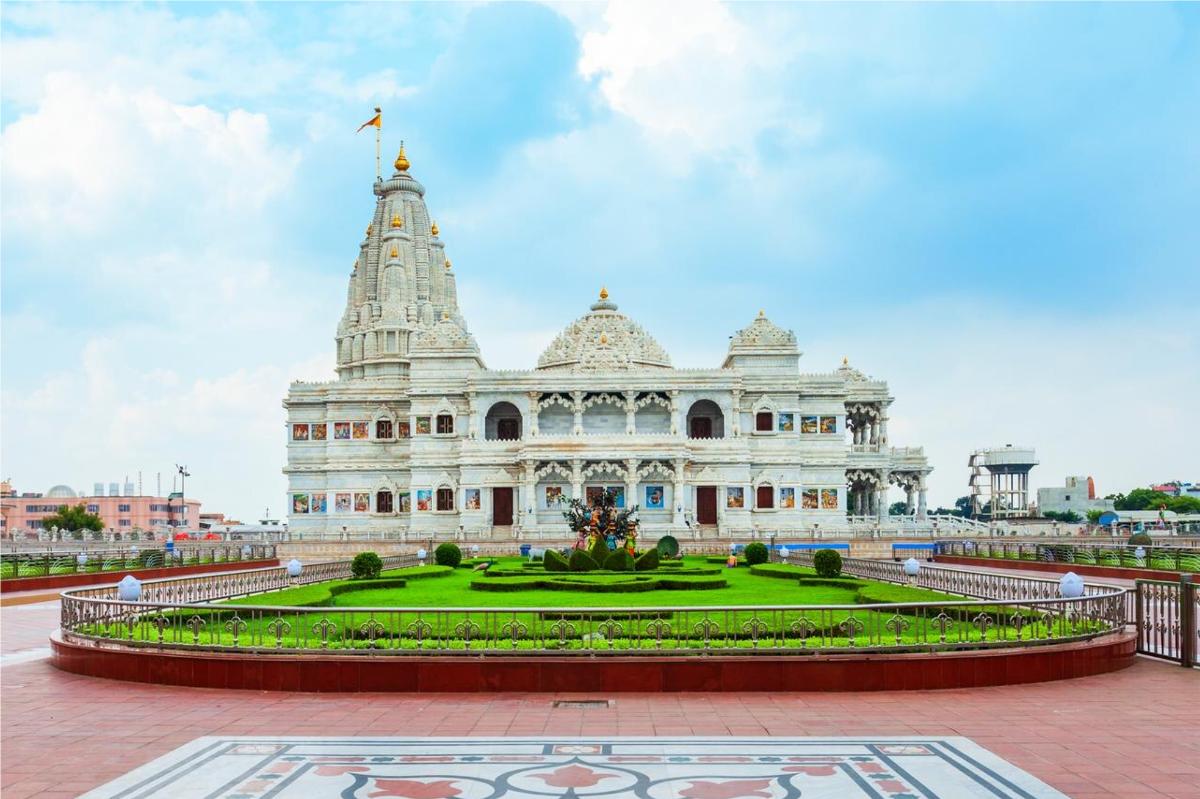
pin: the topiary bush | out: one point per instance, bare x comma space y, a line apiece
827, 562
667, 546
553, 561
1140, 539
447, 554
619, 561
366, 566
647, 561
599, 551
581, 561
756, 553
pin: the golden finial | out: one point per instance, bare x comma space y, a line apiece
402, 164
433, 230
603, 293
845, 361
603, 338
397, 220
445, 315
368, 230
447, 264
762, 314
395, 252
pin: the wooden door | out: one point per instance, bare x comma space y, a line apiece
766, 497
502, 506
701, 427
706, 504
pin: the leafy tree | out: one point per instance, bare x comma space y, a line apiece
898, 509
1068, 516
963, 506
1093, 516
73, 518
1184, 504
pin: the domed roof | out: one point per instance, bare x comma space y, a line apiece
604, 340
61, 492
763, 334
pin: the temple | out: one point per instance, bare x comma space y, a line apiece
418, 439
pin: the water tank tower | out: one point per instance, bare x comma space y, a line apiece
1000, 478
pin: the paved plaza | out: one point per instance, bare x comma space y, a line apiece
1132, 733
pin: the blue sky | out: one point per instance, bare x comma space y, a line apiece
991, 206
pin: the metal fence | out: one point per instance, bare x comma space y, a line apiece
45, 563
1171, 558
1168, 620
179, 613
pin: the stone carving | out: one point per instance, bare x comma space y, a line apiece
604, 340
760, 333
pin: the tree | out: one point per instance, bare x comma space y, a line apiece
1184, 504
898, 509
1143, 499
1068, 516
963, 506
72, 519
1093, 516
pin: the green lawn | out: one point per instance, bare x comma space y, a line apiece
434, 607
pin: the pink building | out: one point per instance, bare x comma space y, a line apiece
121, 514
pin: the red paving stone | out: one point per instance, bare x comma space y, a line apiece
1132, 733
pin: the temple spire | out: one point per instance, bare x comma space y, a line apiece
402, 163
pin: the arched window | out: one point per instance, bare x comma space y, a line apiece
445, 499
502, 423
383, 428
705, 420
383, 502
445, 424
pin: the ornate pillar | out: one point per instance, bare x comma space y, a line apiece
673, 395
577, 478
921, 512
630, 412
528, 508
881, 502
473, 420
577, 407
735, 423
677, 495
883, 429
631, 481
909, 497
535, 398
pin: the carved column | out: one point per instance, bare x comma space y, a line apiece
577, 478
921, 511
577, 407
528, 508
909, 496
673, 396
881, 508
630, 412
535, 398
473, 420
883, 438
631, 481
677, 495
735, 424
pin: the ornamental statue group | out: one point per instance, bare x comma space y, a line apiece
599, 519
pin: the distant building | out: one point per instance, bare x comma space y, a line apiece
1178, 489
1077, 495
121, 513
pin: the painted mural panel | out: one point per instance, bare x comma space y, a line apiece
787, 497
655, 497
471, 499
809, 424
299, 432
735, 497
828, 424
341, 431
787, 422
423, 426
404, 502
808, 499
316, 503
299, 503
342, 503
362, 502
424, 499
361, 430
829, 499
319, 431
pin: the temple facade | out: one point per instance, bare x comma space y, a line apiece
418, 439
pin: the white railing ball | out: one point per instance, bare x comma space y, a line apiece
1139, 553
421, 553
474, 549
246, 551
1071, 585
784, 552
294, 568
81, 558
912, 566
129, 589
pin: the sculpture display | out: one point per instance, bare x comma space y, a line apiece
601, 520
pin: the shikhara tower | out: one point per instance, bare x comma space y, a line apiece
418, 439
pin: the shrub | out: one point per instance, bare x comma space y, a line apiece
581, 561
756, 553
447, 554
1140, 539
553, 561
619, 561
827, 562
599, 551
647, 561
667, 546
366, 566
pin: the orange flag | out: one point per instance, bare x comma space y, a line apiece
375, 121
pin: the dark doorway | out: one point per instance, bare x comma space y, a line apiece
502, 506
701, 427
706, 504
766, 497
508, 429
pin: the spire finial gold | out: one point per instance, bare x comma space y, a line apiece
433, 229
447, 264
402, 164
603, 293
762, 314
445, 315
395, 252
368, 230
845, 361
397, 220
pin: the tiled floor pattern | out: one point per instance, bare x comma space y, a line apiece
638, 768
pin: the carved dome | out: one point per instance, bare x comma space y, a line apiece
604, 340
762, 334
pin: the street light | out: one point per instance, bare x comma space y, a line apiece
184, 474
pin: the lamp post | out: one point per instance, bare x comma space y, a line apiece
184, 474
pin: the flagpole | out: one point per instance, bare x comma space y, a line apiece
378, 145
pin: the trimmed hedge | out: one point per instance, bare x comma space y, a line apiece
827, 562
756, 553
447, 554
647, 561
619, 561
667, 546
624, 584
366, 566
581, 561
553, 561
599, 551
1140, 539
